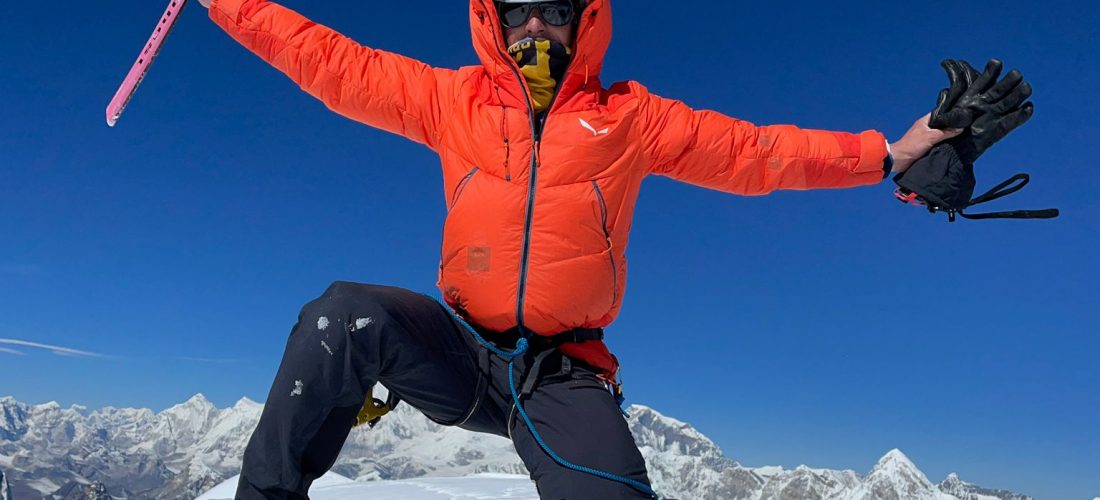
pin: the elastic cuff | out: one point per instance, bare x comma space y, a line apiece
872, 152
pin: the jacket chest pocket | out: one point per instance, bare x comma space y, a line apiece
460, 187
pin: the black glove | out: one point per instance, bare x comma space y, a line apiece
990, 109
944, 180
990, 128
971, 95
960, 78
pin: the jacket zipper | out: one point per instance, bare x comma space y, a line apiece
536, 135
610, 244
532, 180
537, 129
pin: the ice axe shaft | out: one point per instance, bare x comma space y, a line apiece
145, 59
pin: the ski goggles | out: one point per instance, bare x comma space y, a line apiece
555, 12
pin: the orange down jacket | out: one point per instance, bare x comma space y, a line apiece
537, 223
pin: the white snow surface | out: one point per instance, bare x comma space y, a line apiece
333, 486
768, 471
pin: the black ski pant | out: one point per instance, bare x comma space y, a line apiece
355, 335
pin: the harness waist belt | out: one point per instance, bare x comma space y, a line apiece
539, 342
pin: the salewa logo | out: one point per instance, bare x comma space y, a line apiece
593, 129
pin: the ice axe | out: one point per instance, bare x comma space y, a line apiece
145, 59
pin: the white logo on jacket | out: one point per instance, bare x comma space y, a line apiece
593, 129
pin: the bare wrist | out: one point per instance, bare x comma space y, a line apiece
903, 157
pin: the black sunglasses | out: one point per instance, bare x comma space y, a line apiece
555, 12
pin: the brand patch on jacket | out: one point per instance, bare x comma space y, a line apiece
477, 259
592, 129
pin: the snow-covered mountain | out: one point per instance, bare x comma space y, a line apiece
73, 453
967, 491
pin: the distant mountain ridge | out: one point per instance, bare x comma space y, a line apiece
72, 453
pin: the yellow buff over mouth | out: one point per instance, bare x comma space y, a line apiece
543, 64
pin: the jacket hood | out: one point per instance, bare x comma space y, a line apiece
592, 37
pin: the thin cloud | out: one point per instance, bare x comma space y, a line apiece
55, 349
12, 351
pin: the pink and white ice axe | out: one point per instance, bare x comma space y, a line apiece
144, 60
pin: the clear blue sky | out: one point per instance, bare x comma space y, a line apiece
821, 327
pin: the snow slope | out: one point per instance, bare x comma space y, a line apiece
333, 486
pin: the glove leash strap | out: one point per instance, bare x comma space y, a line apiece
1004, 189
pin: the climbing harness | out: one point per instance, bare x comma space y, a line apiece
544, 346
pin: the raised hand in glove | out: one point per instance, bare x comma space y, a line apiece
990, 109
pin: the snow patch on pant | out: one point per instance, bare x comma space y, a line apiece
362, 323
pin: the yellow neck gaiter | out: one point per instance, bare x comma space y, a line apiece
543, 64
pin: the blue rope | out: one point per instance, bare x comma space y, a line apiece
521, 348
